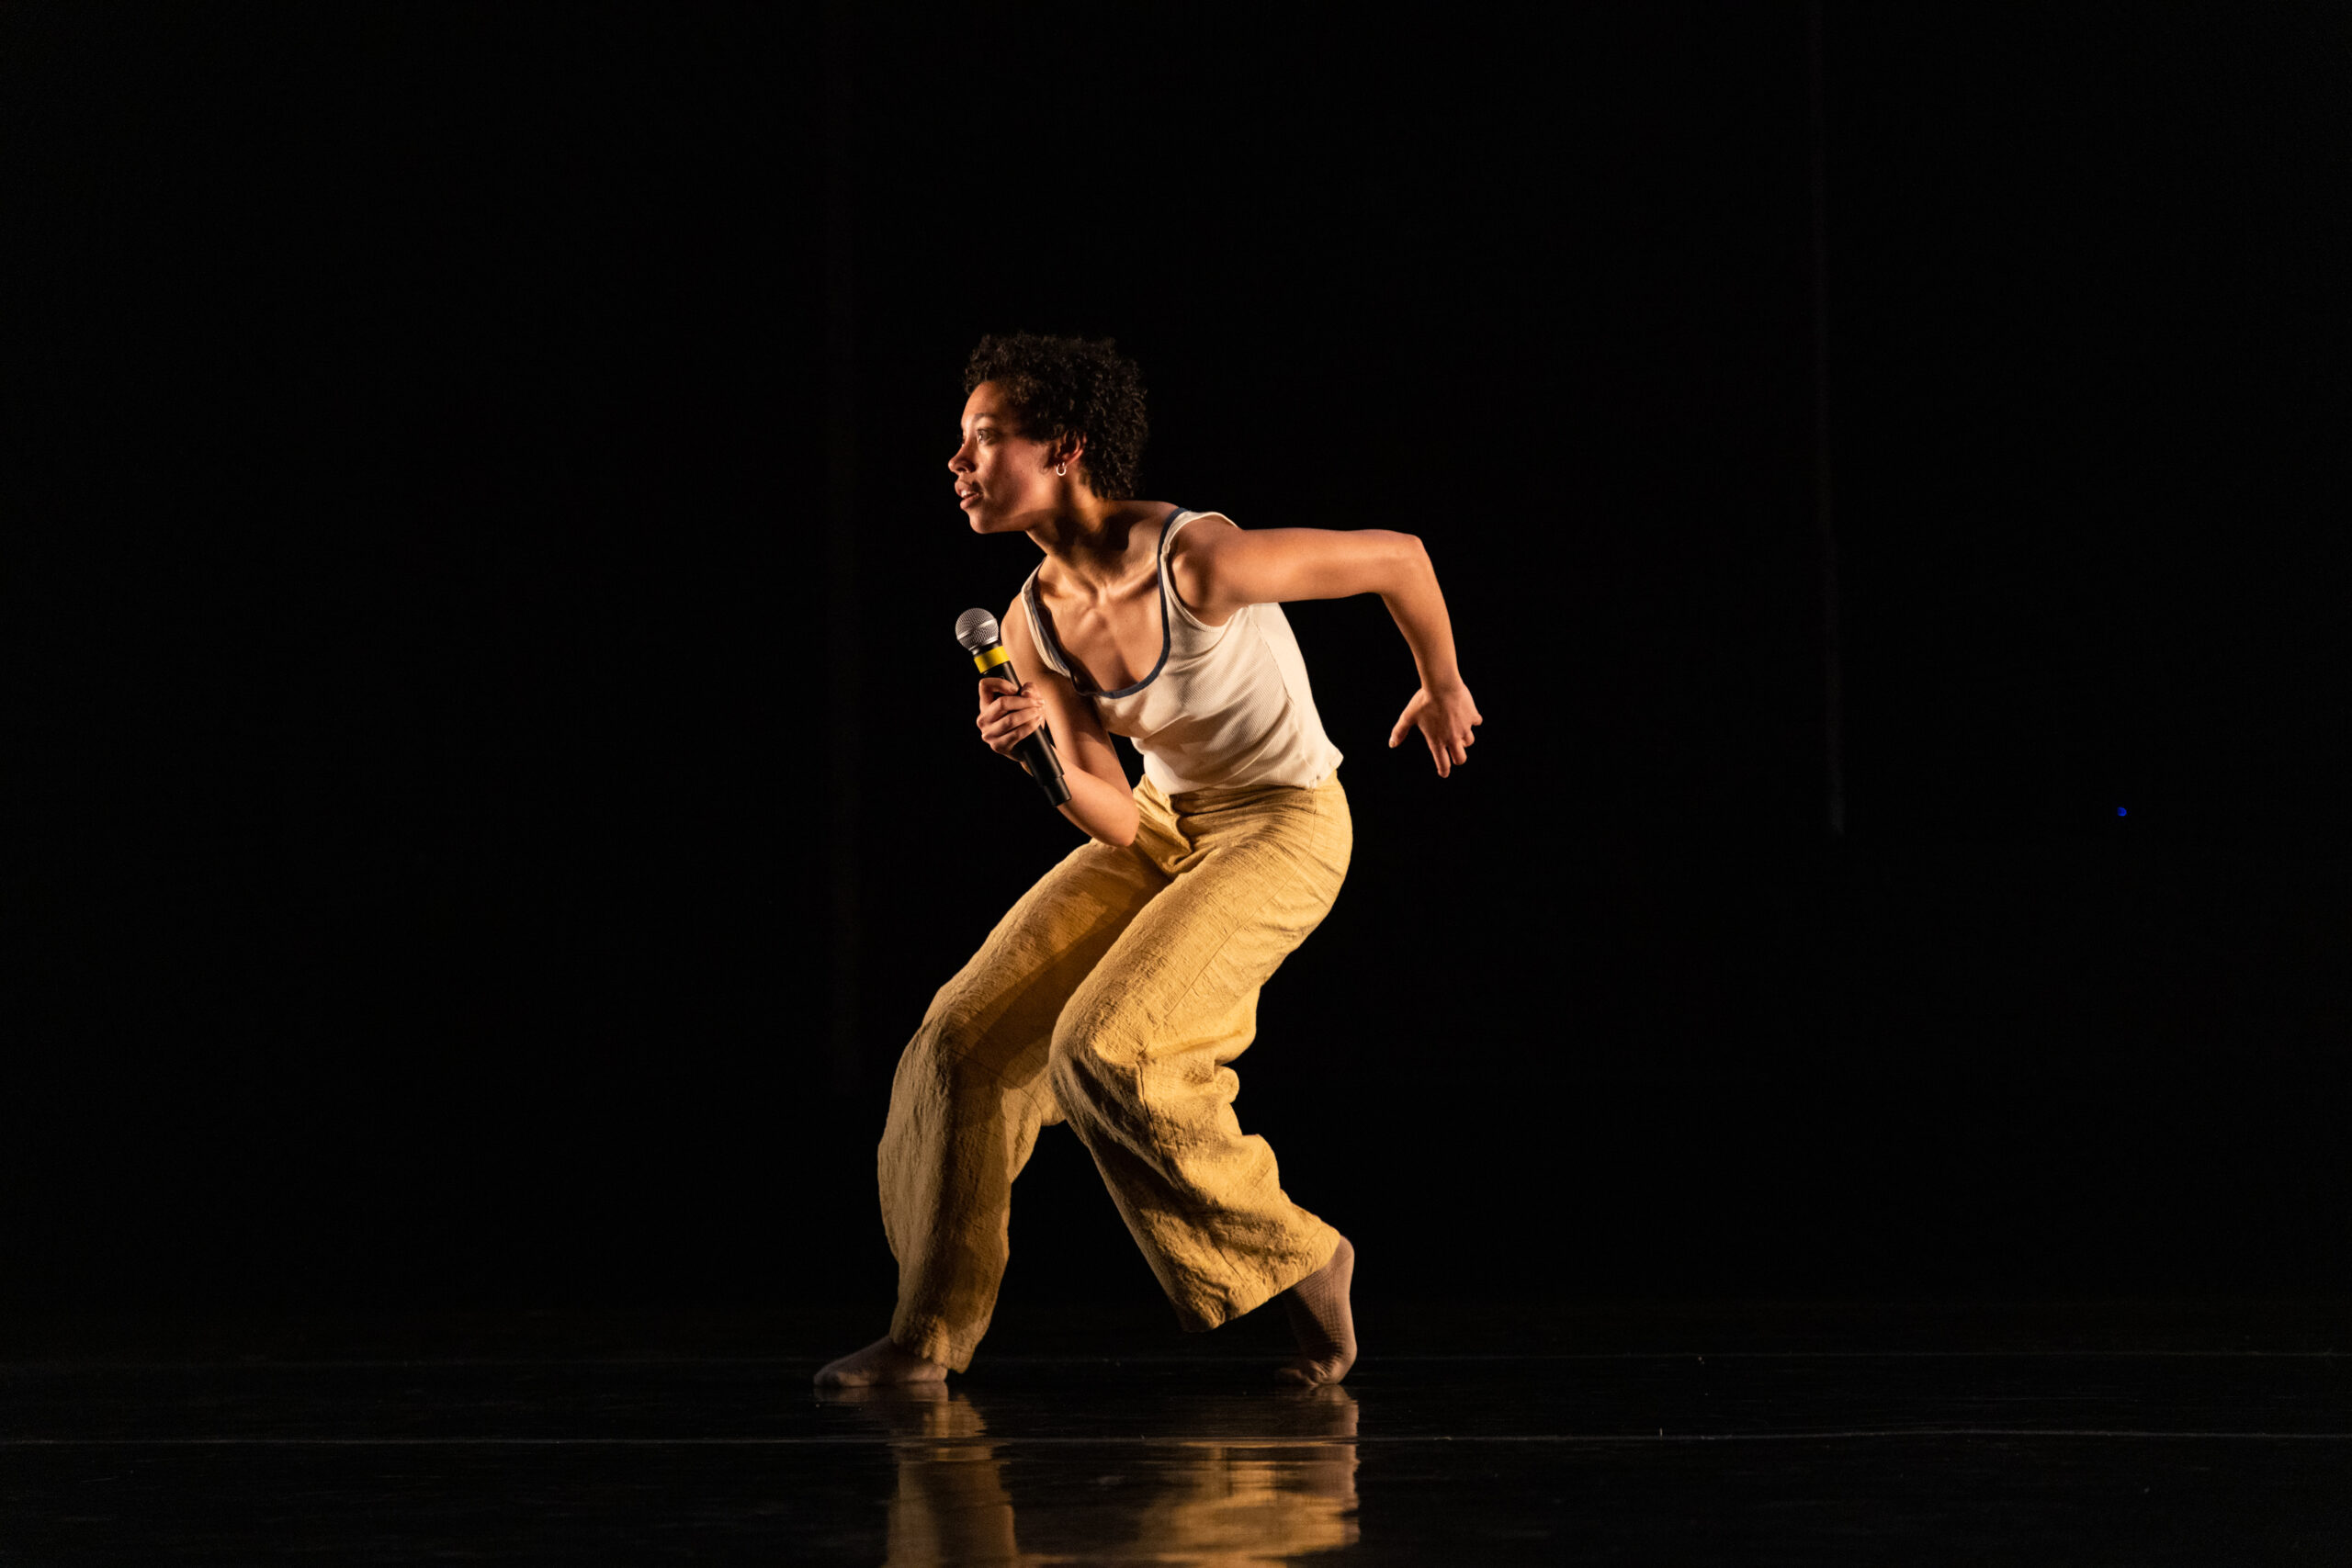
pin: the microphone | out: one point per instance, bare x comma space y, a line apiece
977, 630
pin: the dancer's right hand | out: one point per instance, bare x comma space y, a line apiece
1009, 714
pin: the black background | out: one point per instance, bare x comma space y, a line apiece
450, 712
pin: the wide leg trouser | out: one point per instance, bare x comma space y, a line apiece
1115, 994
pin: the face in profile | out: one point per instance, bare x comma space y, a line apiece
1002, 477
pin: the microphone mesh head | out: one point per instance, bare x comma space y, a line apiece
975, 629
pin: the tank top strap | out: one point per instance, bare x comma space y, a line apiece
1048, 650
1168, 529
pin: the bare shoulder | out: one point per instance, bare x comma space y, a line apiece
1231, 567
1201, 530
1192, 563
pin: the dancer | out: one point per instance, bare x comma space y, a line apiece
1117, 991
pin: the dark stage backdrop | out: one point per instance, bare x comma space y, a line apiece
493, 784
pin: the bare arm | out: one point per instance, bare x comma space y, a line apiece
1220, 569
1100, 803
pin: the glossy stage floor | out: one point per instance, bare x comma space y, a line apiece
1746, 1434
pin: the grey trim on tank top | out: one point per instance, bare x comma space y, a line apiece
1166, 633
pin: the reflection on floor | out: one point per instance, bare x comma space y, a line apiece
1468, 1435
1233, 1504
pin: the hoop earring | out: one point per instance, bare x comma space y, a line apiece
1057, 469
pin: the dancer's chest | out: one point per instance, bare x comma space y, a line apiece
1112, 641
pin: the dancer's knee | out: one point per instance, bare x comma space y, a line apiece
950, 1057
1095, 1046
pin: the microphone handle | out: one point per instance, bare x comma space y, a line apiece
1045, 765
1035, 750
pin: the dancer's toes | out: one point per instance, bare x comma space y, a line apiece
1323, 1323
878, 1364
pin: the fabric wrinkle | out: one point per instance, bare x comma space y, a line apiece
1116, 993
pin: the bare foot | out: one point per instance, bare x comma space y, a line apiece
1319, 1317
879, 1363
916, 1396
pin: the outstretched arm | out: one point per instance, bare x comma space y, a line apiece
1219, 569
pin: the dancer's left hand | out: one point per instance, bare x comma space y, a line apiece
1445, 715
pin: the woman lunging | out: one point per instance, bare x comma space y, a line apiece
1117, 991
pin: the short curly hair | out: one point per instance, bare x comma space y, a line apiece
1062, 387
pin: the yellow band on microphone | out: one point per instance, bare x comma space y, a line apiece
991, 658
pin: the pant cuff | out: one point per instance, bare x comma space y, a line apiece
934, 1341
1215, 1310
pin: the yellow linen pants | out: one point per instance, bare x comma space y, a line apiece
1115, 994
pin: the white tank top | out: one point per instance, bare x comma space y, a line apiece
1225, 707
